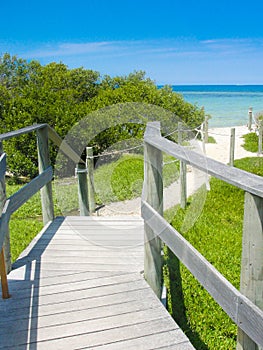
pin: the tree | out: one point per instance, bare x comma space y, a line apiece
54, 94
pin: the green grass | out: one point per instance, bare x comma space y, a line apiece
25, 223
217, 234
115, 181
251, 142
123, 179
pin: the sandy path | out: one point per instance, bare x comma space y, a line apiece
195, 178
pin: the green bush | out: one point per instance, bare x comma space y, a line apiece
54, 94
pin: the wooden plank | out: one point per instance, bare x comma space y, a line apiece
43, 165
251, 284
101, 337
83, 190
4, 229
63, 146
242, 179
228, 297
4, 283
2, 165
153, 194
21, 196
57, 305
22, 131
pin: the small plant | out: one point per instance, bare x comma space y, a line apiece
251, 142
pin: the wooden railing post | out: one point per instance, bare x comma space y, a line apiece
260, 134
91, 188
6, 246
5, 266
250, 118
43, 164
83, 189
183, 184
153, 192
232, 147
251, 284
205, 129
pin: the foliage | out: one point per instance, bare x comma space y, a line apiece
251, 142
217, 234
54, 94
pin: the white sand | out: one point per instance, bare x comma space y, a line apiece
195, 178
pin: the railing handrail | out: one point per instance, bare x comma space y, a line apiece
240, 178
41, 182
235, 304
239, 305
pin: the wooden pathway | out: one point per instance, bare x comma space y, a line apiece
80, 285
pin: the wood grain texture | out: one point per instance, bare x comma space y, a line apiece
22, 131
95, 299
242, 311
234, 176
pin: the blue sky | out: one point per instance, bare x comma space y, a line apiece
174, 42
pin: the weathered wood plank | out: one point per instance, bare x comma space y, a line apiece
237, 177
251, 282
63, 146
21, 196
153, 194
2, 165
22, 131
4, 229
43, 165
101, 337
228, 297
57, 305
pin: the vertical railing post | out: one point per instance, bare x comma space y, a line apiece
205, 129
260, 132
250, 118
5, 266
183, 184
6, 245
153, 192
83, 189
232, 147
251, 282
91, 188
43, 164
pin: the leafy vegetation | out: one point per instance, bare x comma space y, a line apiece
217, 234
54, 94
251, 142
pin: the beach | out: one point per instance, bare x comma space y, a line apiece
219, 151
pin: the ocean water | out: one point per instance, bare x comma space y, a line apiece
226, 104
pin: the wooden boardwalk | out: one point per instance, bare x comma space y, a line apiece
80, 285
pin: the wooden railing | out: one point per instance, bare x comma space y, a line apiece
244, 306
42, 182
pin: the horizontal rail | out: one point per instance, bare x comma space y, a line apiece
64, 147
27, 191
236, 305
15, 201
22, 131
240, 178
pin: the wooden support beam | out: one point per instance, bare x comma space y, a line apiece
43, 164
232, 147
153, 192
83, 190
251, 283
4, 283
6, 242
91, 186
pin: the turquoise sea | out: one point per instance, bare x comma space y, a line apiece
226, 104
